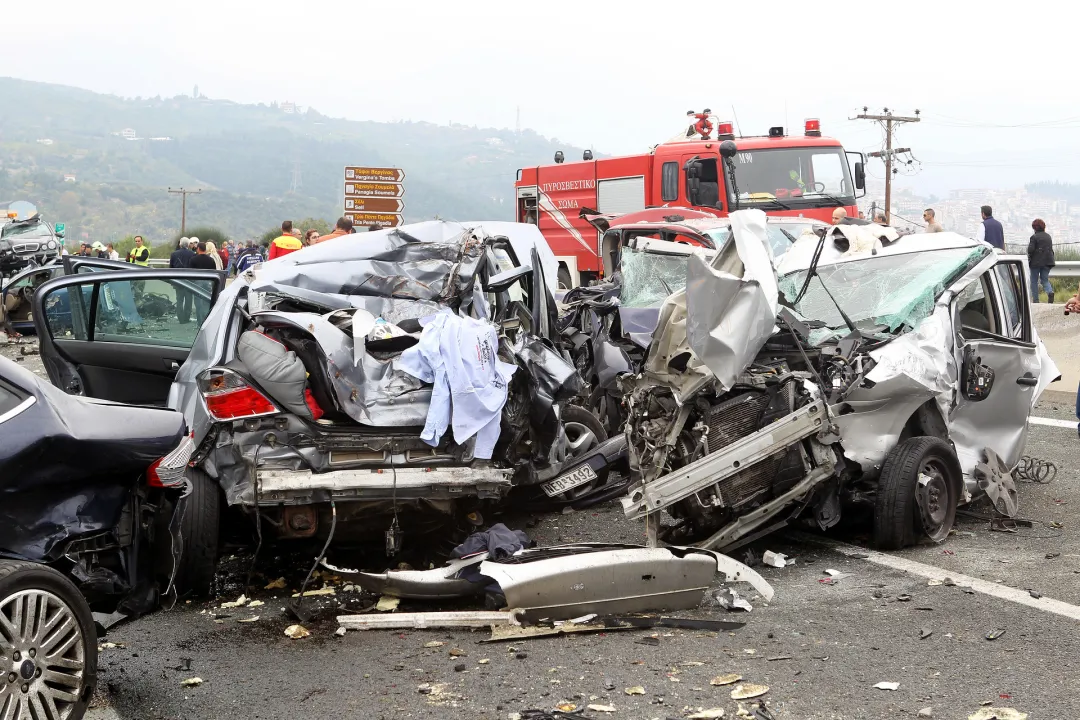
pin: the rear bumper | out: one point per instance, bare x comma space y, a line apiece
303, 487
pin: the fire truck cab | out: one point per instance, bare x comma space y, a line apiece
803, 176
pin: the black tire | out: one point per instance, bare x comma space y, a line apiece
573, 415
565, 281
897, 514
27, 582
199, 529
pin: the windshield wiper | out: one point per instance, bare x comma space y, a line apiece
838, 201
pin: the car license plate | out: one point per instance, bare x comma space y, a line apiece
569, 481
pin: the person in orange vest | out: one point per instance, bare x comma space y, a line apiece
285, 244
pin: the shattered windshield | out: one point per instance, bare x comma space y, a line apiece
797, 175
780, 237
21, 229
648, 278
893, 291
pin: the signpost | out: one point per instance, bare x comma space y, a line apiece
373, 195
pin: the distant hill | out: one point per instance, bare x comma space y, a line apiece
64, 149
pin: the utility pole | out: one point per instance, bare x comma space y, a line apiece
889, 121
183, 207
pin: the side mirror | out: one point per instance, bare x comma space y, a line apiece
503, 281
860, 176
978, 379
728, 149
693, 181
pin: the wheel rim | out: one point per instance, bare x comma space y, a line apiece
579, 440
934, 499
42, 655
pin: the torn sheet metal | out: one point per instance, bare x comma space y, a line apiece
732, 301
567, 582
426, 620
925, 355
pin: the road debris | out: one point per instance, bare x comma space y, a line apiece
888, 686
239, 602
926, 712
457, 652
111, 646
772, 559
434, 644
313, 593
601, 708
1034, 593
255, 603
727, 679
903, 597
483, 661
636, 690
340, 632
422, 620
925, 633
278, 584
731, 600
995, 634
297, 632
191, 682
745, 692
707, 714
251, 619
649, 640
387, 603
997, 713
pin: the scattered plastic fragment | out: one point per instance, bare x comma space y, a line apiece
903, 597
278, 584
925, 633
636, 690
1051, 556
776, 560
251, 619
727, 679
707, 714
888, 686
835, 574
602, 708
340, 632
566, 707
434, 644
995, 634
934, 583
457, 652
997, 713
387, 603
296, 632
239, 602
256, 603
926, 712
648, 640
312, 593
731, 601
745, 692
191, 682
1035, 594
111, 645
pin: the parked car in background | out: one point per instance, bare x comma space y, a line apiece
26, 239
301, 385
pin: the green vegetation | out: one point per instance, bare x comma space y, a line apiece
244, 158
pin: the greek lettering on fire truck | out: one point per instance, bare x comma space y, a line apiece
802, 176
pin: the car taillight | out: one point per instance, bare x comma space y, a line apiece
228, 396
169, 471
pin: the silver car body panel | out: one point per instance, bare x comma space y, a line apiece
301, 487
440, 583
609, 582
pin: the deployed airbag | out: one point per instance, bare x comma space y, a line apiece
276, 369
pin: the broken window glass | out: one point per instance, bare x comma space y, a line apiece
893, 291
648, 278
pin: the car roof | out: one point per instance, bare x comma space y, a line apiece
798, 259
702, 225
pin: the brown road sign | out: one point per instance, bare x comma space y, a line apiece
372, 174
370, 218
374, 189
374, 205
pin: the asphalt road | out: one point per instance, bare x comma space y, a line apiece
819, 647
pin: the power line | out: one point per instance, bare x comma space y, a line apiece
183, 207
889, 122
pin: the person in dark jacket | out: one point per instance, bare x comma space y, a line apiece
181, 258
990, 230
1040, 259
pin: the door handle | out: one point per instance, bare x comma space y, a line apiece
174, 366
1027, 379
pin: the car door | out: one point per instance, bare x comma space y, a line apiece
993, 323
121, 334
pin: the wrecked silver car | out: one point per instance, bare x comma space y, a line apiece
364, 386
896, 377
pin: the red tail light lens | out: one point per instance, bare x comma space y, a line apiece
169, 471
228, 396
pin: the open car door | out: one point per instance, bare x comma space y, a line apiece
121, 334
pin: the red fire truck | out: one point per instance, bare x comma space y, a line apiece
803, 176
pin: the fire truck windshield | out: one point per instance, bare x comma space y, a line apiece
795, 177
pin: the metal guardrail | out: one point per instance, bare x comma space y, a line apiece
1066, 269
159, 262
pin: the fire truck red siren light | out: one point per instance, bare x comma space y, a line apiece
813, 126
725, 127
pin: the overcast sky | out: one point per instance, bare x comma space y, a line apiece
618, 76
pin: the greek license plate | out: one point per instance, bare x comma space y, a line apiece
569, 481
